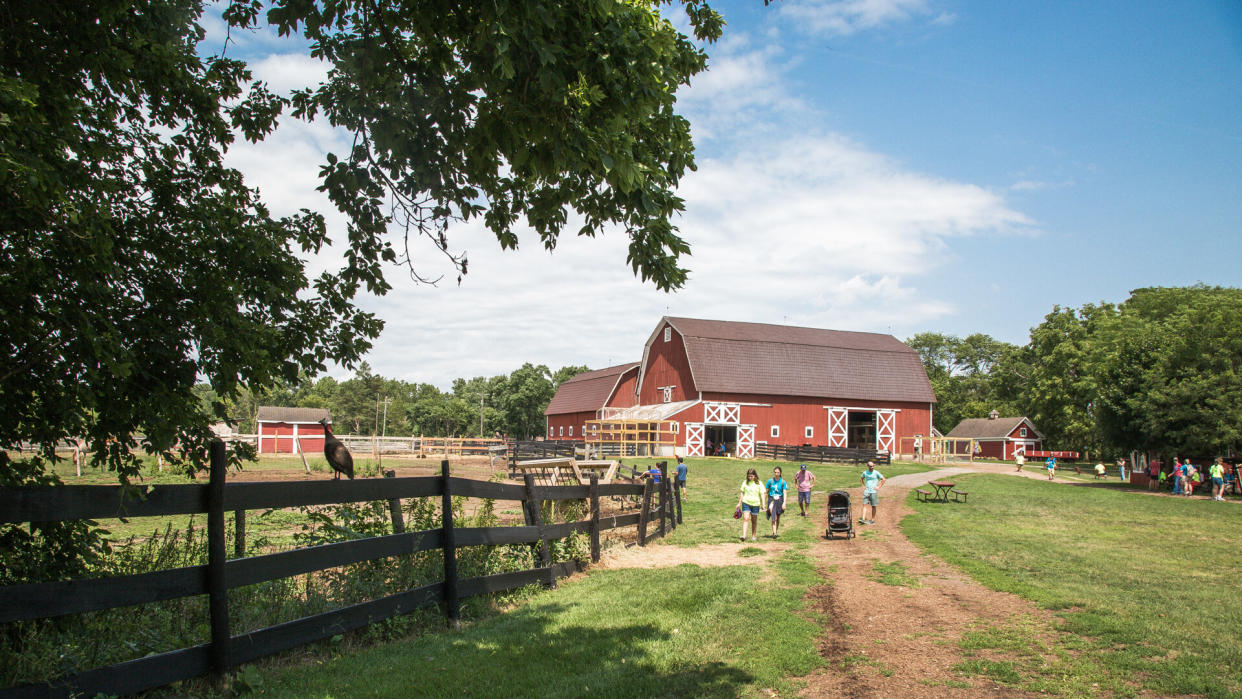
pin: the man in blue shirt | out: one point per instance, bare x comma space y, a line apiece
872, 480
681, 475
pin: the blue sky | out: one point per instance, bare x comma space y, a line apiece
884, 165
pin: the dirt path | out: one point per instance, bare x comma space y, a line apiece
884, 639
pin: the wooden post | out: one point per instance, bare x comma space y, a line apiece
217, 589
239, 533
302, 453
451, 607
394, 509
535, 519
594, 487
645, 513
663, 497
677, 499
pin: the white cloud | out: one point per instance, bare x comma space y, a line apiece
285, 72
788, 222
845, 17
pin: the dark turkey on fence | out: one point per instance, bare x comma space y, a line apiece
335, 452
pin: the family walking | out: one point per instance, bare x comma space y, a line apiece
769, 497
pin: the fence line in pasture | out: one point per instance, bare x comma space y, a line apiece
225, 651
780, 452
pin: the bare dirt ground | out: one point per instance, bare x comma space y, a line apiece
709, 556
884, 640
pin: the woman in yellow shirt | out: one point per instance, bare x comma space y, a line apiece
750, 502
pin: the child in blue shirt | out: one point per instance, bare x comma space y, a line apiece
776, 487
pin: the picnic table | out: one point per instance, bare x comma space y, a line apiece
942, 490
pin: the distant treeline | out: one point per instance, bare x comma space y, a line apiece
367, 403
1160, 372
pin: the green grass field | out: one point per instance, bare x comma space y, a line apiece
1146, 587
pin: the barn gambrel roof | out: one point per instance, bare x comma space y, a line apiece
588, 391
760, 358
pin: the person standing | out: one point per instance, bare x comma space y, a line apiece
1217, 472
1020, 459
805, 480
872, 480
776, 487
1178, 475
750, 501
1121, 468
1154, 475
1190, 475
1051, 463
681, 475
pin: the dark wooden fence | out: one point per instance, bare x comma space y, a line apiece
820, 455
541, 449
224, 651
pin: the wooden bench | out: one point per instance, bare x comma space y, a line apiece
922, 495
959, 495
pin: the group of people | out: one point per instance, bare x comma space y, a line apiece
769, 497
1184, 477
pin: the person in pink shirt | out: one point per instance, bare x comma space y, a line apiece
805, 480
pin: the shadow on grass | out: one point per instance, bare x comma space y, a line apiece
522, 654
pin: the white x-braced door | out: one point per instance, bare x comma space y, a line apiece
694, 439
885, 430
745, 441
722, 413
838, 418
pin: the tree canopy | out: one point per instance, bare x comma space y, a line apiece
137, 263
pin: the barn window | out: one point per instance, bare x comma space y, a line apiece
571, 430
676, 427
810, 432
1023, 431
562, 430
668, 393
668, 334
551, 431
594, 429
776, 431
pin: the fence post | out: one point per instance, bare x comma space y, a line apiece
217, 589
645, 513
677, 499
594, 517
535, 518
663, 498
239, 533
394, 509
451, 607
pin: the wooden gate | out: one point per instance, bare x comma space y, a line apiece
885, 430
694, 439
838, 418
745, 441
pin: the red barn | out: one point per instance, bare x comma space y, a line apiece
282, 429
581, 398
738, 384
1000, 437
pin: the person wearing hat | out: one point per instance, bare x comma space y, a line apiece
805, 480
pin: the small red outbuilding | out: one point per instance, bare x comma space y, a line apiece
281, 430
1000, 437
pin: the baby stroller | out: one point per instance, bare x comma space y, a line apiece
839, 520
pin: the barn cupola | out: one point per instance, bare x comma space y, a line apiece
993, 415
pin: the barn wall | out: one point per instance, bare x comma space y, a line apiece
311, 436
795, 413
566, 420
993, 449
667, 365
623, 396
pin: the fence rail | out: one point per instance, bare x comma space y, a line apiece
821, 455
59, 503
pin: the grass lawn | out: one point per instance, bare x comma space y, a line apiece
1146, 588
665, 632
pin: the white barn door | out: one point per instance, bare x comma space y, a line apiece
722, 413
885, 430
838, 418
694, 439
745, 441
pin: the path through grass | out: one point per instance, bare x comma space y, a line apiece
1147, 587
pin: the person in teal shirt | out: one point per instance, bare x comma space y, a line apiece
776, 487
749, 502
872, 480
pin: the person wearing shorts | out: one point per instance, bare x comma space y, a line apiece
776, 487
1051, 463
750, 501
1217, 472
681, 475
805, 480
872, 480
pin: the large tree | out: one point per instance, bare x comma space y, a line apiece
137, 263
